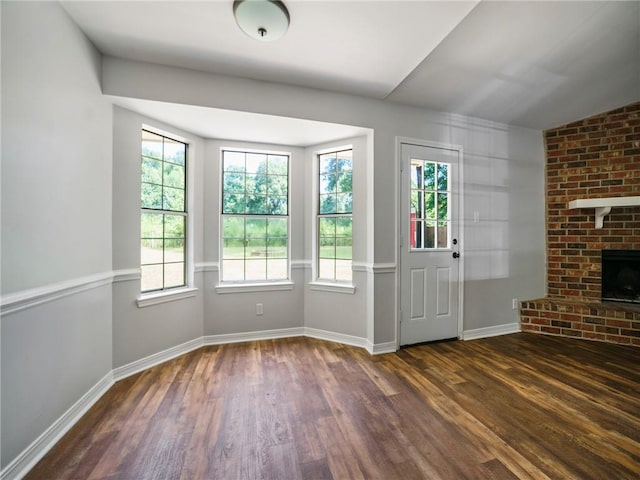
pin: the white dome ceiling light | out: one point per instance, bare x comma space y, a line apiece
264, 20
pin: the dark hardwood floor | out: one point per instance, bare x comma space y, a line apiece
520, 406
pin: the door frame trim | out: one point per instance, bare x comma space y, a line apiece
459, 221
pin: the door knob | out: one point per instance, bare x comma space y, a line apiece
456, 255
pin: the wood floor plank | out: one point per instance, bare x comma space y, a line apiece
519, 406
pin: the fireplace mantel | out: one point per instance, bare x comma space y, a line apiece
603, 205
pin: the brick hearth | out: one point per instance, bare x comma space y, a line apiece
592, 158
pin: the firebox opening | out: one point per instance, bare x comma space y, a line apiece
621, 276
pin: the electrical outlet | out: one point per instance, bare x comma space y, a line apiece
258, 309
514, 303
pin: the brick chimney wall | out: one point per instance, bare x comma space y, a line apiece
591, 158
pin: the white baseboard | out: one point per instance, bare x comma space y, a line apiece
380, 348
252, 336
31, 455
156, 359
491, 331
336, 337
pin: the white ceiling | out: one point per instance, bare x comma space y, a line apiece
241, 126
535, 64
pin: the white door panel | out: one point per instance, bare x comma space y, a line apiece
429, 220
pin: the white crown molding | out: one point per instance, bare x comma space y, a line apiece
15, 302
156, 359
494, 331
31, 455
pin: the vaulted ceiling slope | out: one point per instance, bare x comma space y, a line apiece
534, 64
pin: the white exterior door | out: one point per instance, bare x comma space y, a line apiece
430, 247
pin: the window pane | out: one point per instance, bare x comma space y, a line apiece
429, 176
256, 228
443, 176
256, 248
233, 182
327, 226
174, 152
416, 234
277, 185
233, 203
174, 250
417, 204
173, 199
150, 251
256, 163
233, 248
277, 227
233, 227
255, 269
277, 269
151, 145
416, 174
327, 247
443, 206
327, 204
174, 275
345, 181
232, 270
174, 226
277, 165
277, 247
344, 203
256, 204
429, 238
257, 184
151, 225
151, 277
343, 270
327, 163
277, 205
344, 161
327, 183
443, 235
429, 205
151, 196
151, 170
233, 162
326, 269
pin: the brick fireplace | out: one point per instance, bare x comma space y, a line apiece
594, 158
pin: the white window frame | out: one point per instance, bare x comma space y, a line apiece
245, 286
188, 290
326, 285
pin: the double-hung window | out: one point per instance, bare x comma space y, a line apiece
335, 225
255, 216
163, 218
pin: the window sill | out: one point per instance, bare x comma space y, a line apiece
253, 287
155, 298
333, 287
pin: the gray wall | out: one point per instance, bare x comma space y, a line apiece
140, 332
70, 199
503, 178
56, 218
228, 313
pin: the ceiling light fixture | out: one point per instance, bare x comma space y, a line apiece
264, 20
